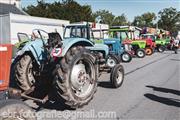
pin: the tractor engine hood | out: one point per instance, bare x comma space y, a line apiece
99, 47
111, 40
69, 42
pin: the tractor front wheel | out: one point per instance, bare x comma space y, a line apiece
117, 76
149, 51
126, 57
140, 53
161, 49
76, 79
112, 60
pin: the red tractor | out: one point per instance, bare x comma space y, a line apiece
10, 109
150, 46
130, 33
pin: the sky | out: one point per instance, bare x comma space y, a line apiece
130, 8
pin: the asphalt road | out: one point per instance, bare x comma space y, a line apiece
151, 90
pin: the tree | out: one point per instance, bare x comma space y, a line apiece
67, 9
169, 19
138, 21
106, 16
149, 18
120, 20
145, 20
39, 10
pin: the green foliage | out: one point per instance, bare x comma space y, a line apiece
67, 9
73, 11
120, 20
169, 19
145, 20
110, 19
39, 10
106, 16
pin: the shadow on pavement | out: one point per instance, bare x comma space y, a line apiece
163, 100
165, 52
105, 84
165, 90
175, 60
57, 105
54, 103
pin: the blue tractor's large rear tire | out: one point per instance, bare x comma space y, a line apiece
76, 79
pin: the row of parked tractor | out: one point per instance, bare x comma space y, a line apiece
124, 44
48, 66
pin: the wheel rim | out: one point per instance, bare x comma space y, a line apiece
148, 51
119, 77
140, 53
81, 79
125, 57
111, 62
160, 49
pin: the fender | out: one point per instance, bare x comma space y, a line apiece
70, 42
35, 48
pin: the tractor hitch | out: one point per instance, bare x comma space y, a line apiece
16, 93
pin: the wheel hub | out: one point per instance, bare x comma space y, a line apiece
140, 53
81, 77
160, 49
148, 51
80, 80
125, 57
111, 63
78, 76
119, 77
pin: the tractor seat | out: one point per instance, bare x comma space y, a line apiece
54, 39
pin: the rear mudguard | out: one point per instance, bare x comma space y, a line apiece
67, 43
37, 50
21, 44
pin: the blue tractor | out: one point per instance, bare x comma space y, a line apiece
71, 65
116, 48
